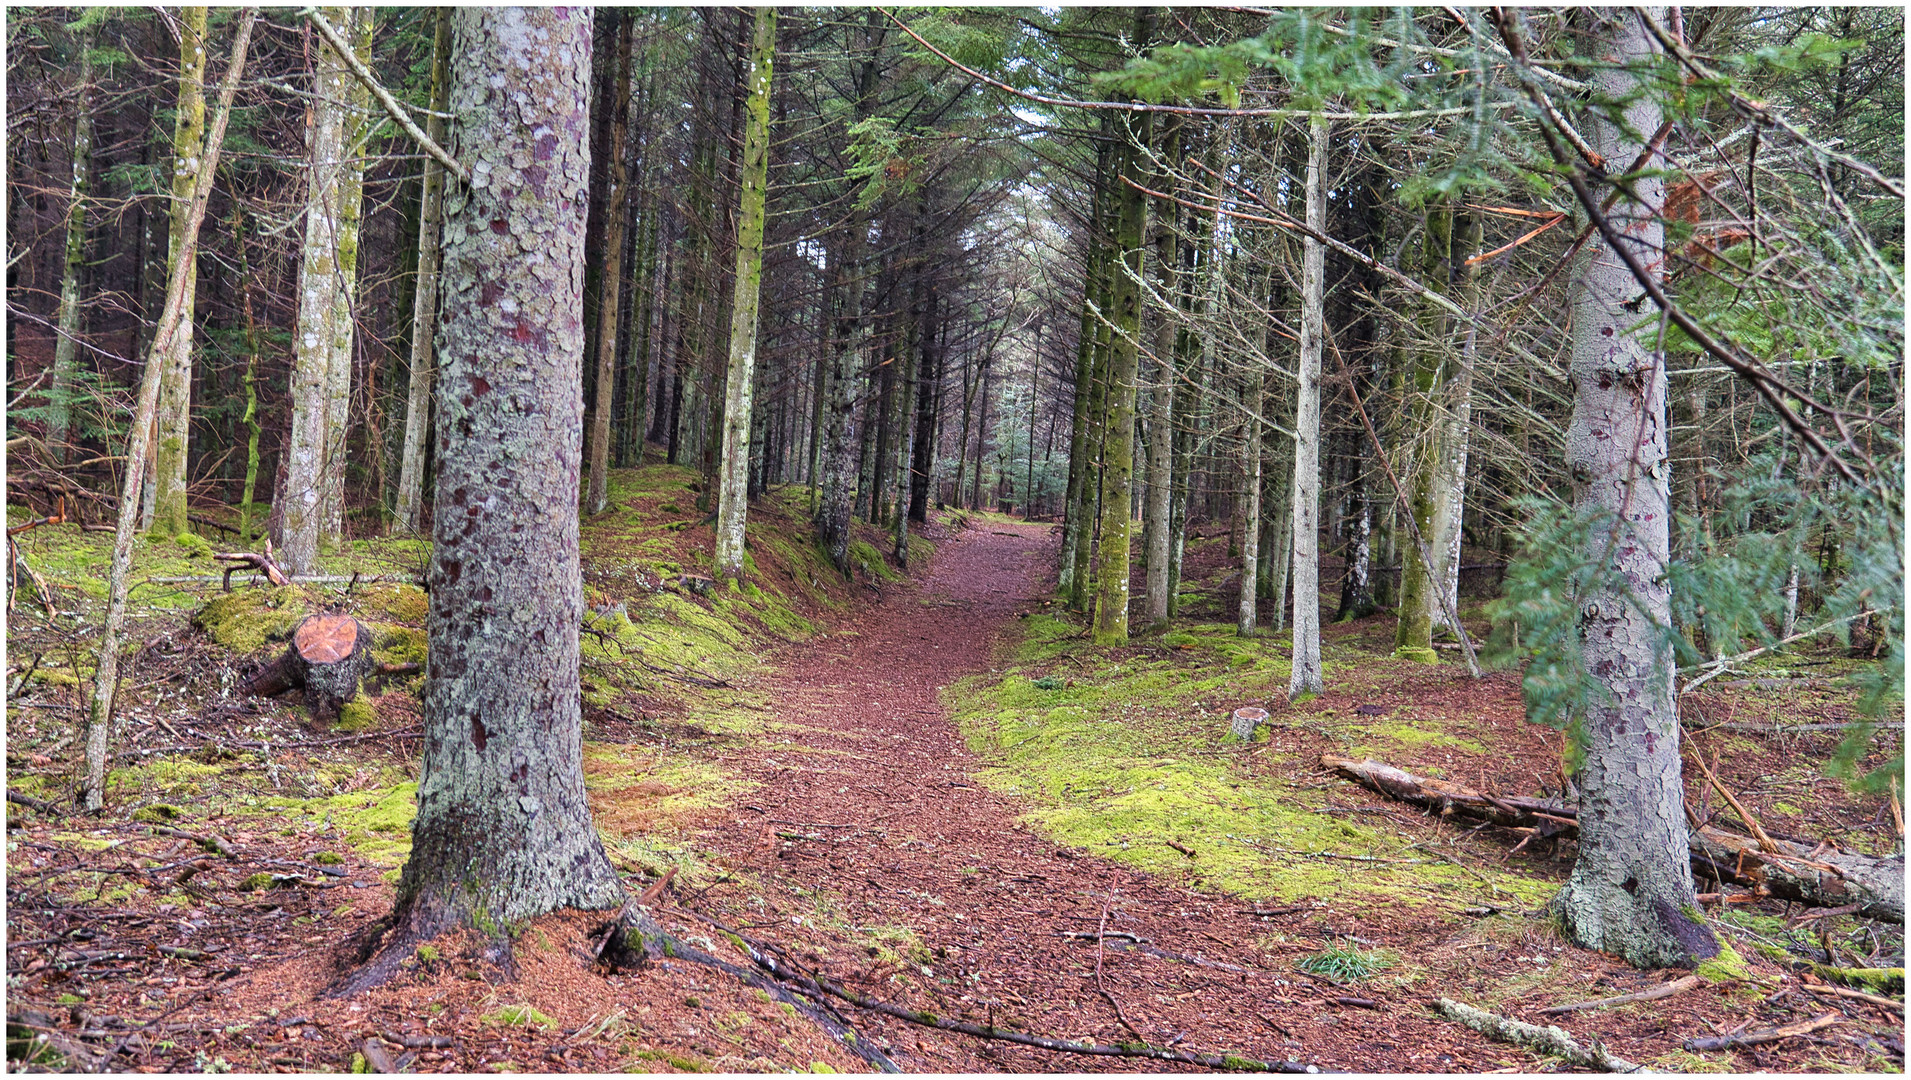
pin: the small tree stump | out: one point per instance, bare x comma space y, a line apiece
329, 654
1246, 719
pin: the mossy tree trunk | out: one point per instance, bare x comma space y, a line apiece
733, 482
424, 314
1631, 887
1306, 678
175, 381
1118, 430
1421, 364
503, 831
66, 346
139, 438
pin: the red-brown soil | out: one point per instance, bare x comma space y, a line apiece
869, 853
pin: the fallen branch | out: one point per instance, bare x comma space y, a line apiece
1545, 1040
1791, 872
32, 803
1857, 995
243, 559
1664, 990
1755, 1038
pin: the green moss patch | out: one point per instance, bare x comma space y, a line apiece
375, 822
1124, 759
245, 620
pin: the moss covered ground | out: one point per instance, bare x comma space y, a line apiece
1126, 753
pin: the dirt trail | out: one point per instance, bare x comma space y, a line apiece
911, 840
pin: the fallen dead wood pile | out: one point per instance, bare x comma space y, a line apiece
1820, 877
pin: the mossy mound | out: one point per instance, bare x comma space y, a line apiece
245, 620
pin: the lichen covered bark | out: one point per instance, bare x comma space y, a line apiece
734, 468
1305, 680
298, 505
357, 23
1118, 427
503, 831
1631, 887
175, 379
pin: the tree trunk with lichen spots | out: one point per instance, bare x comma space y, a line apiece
66, 345
298, 504
503, 831
733, 483
1306, 678
175, 380
424, 314
1422, 368
1631, 888
357, 31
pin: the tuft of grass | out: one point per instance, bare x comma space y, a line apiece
1343, 962
518, 1016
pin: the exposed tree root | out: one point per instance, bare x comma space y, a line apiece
817, 984
1546, 1040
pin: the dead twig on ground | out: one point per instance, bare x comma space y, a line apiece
1545, 1040
1755, 1038
1664, 990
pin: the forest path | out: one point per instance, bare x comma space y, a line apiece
879, 772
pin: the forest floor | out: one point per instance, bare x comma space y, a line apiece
935, 793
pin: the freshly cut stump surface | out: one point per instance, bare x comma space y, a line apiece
328, 656
906, 838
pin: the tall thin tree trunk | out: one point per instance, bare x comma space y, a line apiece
344, 323
139, 435
424, 312
610, 278
66, 345
733, 500
1306, 678
1251, 405
1160, 542
175, 384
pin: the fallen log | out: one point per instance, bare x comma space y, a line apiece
1794, 872
329, 654
1546, 1040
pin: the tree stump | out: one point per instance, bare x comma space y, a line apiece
329, 654
1246, 719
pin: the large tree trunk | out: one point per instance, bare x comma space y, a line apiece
424, 314
175, 381
1306, 678
733, 497
610, 278
503, 831
66, 345
1631, 886
139, 437
1118, 431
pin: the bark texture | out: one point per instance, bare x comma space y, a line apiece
1249, 606
734, 471
1306, 677
298, 505
503, 830
175, 380
356, 26
1631, 887
328, 656
424, 312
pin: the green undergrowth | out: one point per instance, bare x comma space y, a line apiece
1127, 757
